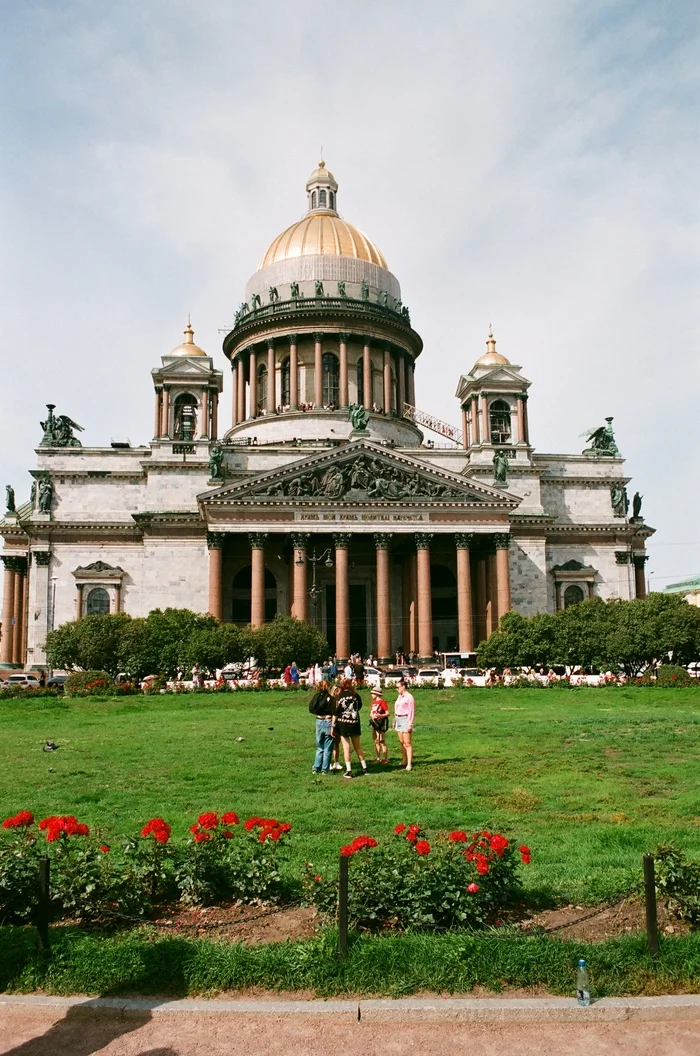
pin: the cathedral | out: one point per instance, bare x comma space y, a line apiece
331, 496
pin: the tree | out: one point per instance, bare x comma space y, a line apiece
167, 639
285, 639
92, 643
215, 647
521, 642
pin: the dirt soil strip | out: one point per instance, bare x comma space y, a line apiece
51, 1027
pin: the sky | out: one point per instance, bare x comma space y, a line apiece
527, 164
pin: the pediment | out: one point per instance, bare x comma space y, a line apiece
500, 376
360, 472
187, 368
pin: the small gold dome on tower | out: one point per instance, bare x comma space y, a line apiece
188, 347
491, 358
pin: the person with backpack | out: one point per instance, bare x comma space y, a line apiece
379, 721
347, 724
321, 705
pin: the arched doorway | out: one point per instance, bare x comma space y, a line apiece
240, 596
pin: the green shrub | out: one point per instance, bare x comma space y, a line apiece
411, 883
89, 684
672, 675
679, 880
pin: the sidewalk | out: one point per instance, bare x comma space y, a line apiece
49, 1026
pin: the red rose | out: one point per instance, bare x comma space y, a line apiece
208, 821
229, 818
525, 859
399, 829
285, 827
473, 888
458, 837
251, 823
347, 850
482, 864
21, 820
498, 844
318, 879
200, 837
105, 848
227, 834
422, 847
524, 849
159, 829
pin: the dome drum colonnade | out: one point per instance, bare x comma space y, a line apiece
475, 564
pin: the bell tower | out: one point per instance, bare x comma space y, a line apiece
493, 399
187, 389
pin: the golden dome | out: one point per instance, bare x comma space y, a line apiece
491, 358
322, 233
188, 347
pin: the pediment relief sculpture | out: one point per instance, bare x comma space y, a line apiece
365, 477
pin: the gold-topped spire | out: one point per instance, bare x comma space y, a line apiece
491, 357
188, 347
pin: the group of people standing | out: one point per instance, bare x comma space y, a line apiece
338, 726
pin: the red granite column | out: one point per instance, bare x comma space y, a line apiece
502, 542
253, 384
293, 375
425, 601
234, 394
382, 542
318, 370
17, 616
367, 376
299, 541
215, 543
342, 596
8, 608
271, 380
387, 381
240, 389
400, 383
465, 623
343, 397
640, 583
257, 578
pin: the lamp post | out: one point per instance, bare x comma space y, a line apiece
313, 560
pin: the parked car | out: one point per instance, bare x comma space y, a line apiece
463, 676
57, 682
393, 675
373, 677
428, 676
24, 681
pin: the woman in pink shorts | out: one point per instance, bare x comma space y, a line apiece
404, 713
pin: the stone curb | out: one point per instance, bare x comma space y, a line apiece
476, 1010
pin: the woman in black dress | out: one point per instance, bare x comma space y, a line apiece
347, 723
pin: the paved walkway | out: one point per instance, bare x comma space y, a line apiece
31, 1026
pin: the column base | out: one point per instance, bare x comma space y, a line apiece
385, 661
426, 661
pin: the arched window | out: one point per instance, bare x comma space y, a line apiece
98, 602
499, 412
262, 388
185, 412
313, 199
286, 375
331, 196
322, 199
360, 382
331, 377
573, 595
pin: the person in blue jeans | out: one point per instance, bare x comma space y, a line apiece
321, 705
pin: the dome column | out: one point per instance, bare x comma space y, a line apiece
387, 381
366, 376
318, 370
253, 384
425, 611
293, 375
271, 381
240, 389
234, 394
343, 396
342, 597
411, 383
465, 624
400, 383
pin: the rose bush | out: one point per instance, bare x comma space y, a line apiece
451, 880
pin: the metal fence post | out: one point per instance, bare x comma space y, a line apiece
44, 905
650, 901
343, 907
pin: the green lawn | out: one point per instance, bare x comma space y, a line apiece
589, 779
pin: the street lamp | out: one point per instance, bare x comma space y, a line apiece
313, 560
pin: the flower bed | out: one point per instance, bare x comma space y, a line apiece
97, 882
412, 881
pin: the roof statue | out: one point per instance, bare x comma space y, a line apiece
10, 498
358, 416
637, 506
58, 431
602, 441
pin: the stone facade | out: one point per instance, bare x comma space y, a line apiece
385, 540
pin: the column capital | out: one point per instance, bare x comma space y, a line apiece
464, 540
294, 339
300, 540
41, 558
640, 559
366, 340
423, 540
622, 557
257, 540
166, 388
501, 540
521, 396
270, 342
382, 540
344, 337
341, 540
15, 563
318, 335
215, 540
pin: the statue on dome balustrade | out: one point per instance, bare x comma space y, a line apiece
341, 288
294, 290
319, 288
365, 290
255, 302
273, 294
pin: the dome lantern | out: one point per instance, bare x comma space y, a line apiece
322, 189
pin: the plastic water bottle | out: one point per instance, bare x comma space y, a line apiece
583, 993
